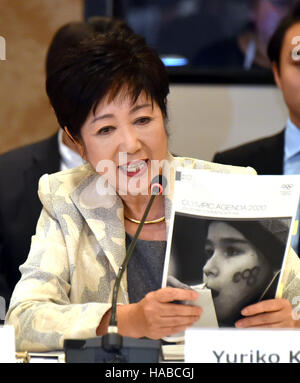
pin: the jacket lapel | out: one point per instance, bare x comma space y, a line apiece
105, 217
280, 150
270, 155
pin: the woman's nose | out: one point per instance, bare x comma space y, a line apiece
130, 141
211, 268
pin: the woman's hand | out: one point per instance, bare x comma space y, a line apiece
269, 313
155, 316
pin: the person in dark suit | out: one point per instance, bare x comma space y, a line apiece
21, 169
279, 153
265, 155
248, 49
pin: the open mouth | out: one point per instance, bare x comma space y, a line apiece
134, 168
214, 293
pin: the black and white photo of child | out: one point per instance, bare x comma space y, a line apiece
238, 260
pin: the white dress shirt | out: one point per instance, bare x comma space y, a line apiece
291, 161
68, 158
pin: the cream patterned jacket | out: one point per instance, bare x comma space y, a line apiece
67, 280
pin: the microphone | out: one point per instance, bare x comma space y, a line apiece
158, 184
112, 347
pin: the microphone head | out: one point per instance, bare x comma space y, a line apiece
158, 184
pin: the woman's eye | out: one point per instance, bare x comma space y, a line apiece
143, 120
233, 251
105, 130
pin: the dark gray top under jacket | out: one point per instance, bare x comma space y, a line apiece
145, 268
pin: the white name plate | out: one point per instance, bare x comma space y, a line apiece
7, 344
242, 346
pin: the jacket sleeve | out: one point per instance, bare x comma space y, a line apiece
5, 291
40, 308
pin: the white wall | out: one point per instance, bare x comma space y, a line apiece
206, 119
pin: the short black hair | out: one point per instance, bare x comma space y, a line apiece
276, 40
108, 25
73, 33
67, 36
102, 66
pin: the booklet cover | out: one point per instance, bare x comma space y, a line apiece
229, 238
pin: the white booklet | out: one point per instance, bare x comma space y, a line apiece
230, 238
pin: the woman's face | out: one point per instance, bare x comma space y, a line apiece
127, 135
234, 271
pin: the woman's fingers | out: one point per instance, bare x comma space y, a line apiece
169, 294
268, 313
159, 303
156, 316
269, 305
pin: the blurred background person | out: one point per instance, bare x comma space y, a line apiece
280, 153
247, 50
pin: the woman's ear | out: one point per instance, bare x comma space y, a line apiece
74, 144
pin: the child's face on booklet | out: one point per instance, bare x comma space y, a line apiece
235, 270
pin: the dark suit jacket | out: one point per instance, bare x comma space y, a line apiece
20, 207
264, 155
